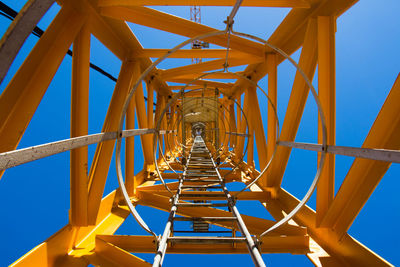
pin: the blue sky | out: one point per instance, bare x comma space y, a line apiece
367, 41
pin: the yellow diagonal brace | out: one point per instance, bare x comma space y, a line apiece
295, 108
21, 97
364, 175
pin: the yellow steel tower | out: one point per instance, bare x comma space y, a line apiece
203, 135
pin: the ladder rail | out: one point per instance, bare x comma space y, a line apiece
162, 245
251, 245
199, 147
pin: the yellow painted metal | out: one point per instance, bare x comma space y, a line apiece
208, 66
254, 224
79, 126
297, 101
270, 244
242, 126
130, 179
116, 256
327, 96
88, 239
257, 123
166, 22
232, 125
364, 175
273, 95
142, 121
21, 97
66, 247
344, 249
220, 75
202, 83
192, 53
260, 196
253, 3
102, 158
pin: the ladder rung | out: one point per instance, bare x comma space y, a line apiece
202, 194
203, 232
208, 219
201, 186
202, 180
202, 204
205, 239
201, 175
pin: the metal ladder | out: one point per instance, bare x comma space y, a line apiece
203, 176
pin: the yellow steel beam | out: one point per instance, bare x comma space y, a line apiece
116, 256
130, 179
166, 22
59, 249
223, 128
250, 130
327, 97
270, 244
297, 101
289, 35
190, 87
150, 106
342, 248
116, 36
273, 95
191, 53
21, 97
125, 33
242, 126
232, 123
221, 75
102, 158
203, 82
250, 148
253, 3
207, 66
364, 175
319, 257
79, 126
261, 196
257, 124
143, 120
254, 224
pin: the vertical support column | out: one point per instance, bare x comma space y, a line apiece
258, 128
150, 100
297, 102
170, 136
183, 127
232, 124
223, 127
272, 93
79, 126
130, 179
327, 96
104, 151
150, 108
21, 97
242, 125
250, 150
142, 120
217, 136
164, 120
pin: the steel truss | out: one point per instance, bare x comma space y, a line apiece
197, 182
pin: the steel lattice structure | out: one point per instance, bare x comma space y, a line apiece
206, 131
